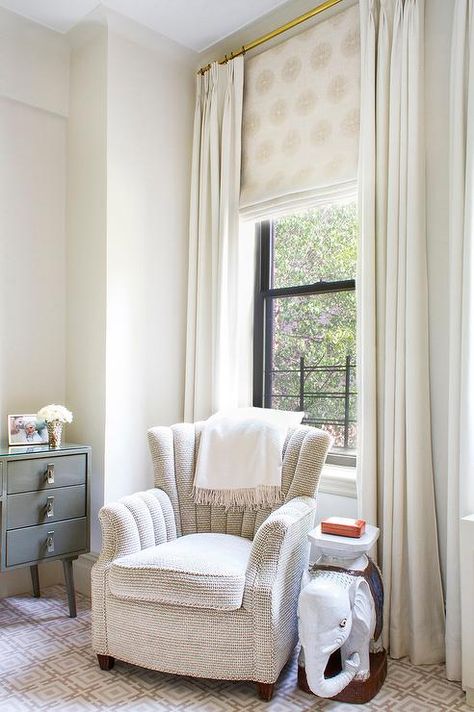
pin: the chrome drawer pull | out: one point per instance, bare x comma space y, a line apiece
50, 507
49, 475
50, 543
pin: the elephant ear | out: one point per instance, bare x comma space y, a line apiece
362, 605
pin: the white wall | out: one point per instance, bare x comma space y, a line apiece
33, 106
331, 505
86, 252
32, 215
32, 239
34, 64
149, 133
129, 143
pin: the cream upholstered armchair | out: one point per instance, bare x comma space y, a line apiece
195, 590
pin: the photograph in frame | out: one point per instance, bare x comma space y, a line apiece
26, 430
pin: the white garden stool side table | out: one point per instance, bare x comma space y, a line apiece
350, 552
348, 556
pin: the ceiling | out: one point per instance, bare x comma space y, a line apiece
196, 24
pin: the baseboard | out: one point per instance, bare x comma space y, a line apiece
17, 581
13, 583
470, 696
82, 572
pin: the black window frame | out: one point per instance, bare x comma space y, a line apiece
263, 320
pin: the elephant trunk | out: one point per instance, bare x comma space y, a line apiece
330, 686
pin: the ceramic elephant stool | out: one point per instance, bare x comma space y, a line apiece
340, 623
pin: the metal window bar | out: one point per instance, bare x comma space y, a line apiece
304, 395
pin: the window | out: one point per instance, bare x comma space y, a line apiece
305, 320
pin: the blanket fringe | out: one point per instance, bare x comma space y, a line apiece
253, 498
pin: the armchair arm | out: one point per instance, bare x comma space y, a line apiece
136, 522
280, 534
129, 525
273, 579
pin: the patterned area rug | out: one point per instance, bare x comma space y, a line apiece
46, 663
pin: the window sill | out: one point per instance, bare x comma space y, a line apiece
338, 480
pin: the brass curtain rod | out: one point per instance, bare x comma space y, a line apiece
274, 33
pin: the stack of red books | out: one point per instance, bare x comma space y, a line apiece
343, 526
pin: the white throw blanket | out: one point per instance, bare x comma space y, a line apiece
240, 457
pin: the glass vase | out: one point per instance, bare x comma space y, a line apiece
55, 432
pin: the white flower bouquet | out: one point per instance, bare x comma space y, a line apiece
52, 413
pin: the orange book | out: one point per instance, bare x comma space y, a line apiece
343, 526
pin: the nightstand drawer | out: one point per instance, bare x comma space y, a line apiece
31, 508
45, 473
46, 540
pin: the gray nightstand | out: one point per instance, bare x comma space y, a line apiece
44, 509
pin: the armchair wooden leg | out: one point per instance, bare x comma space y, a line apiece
265, 690
106, 662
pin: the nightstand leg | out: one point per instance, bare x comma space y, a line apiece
35, 580
69, 580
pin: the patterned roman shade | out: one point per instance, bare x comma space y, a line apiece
301, 118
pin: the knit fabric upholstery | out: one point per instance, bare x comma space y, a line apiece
246, 633
199, 570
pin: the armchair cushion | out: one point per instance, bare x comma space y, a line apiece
196, 570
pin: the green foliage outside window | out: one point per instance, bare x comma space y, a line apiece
320, 244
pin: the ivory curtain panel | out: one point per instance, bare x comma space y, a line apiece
395, 473
461, 316
218, 369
